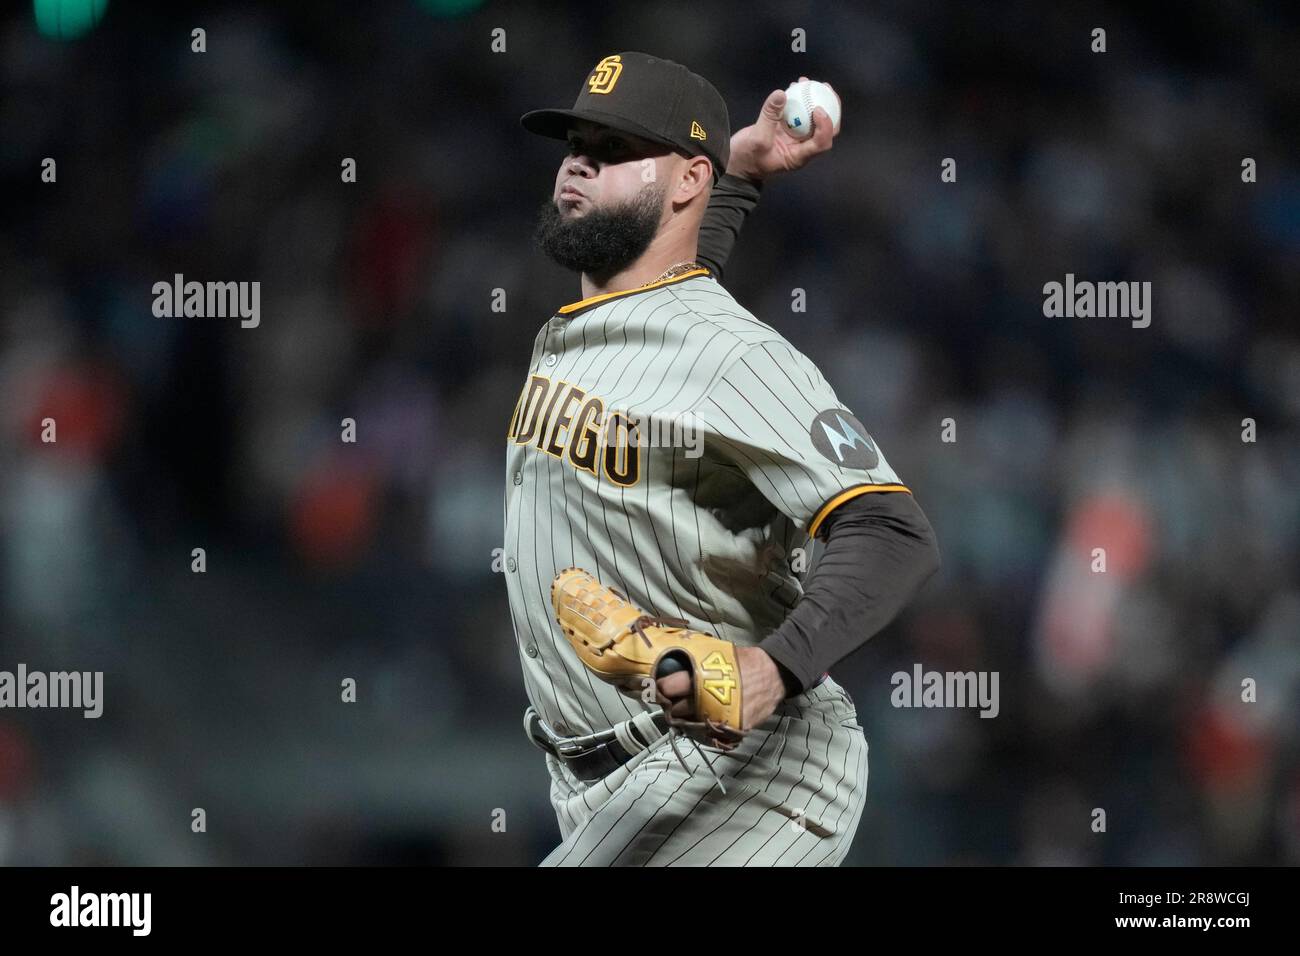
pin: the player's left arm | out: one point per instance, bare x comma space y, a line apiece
773, 416
880, 549
759, 151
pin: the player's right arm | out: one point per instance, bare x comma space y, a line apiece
732, 200
759, 151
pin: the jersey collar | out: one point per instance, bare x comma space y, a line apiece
574, 308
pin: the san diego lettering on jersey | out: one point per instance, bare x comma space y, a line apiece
563, 421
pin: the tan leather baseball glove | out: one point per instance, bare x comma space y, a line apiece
625, 646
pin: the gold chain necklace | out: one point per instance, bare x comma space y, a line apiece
677, 270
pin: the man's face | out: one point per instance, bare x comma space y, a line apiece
604, 167
608, 200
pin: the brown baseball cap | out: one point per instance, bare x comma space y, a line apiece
651, 97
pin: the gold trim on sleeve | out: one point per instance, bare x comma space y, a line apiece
848, 495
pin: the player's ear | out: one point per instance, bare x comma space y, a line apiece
695, 177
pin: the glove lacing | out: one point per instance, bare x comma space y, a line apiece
638, 627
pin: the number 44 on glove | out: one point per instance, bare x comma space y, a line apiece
631, 649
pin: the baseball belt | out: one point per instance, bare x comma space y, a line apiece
594, 756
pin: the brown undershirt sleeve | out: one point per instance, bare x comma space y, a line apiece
880, 549
732, 199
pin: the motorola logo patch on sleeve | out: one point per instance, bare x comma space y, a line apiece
840, 437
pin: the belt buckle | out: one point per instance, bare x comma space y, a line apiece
568, 747
537, 732
544, 737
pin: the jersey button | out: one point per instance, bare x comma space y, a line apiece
531, 650
510, 564
552, 359
519, 478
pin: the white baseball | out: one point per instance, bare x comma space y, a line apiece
801, 98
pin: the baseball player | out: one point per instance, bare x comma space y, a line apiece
684, 453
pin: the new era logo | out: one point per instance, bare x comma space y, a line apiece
697, 131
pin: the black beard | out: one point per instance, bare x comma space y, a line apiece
601, 242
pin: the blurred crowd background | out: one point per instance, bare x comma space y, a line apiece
373, 560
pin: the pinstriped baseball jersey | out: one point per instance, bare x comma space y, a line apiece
680, 449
